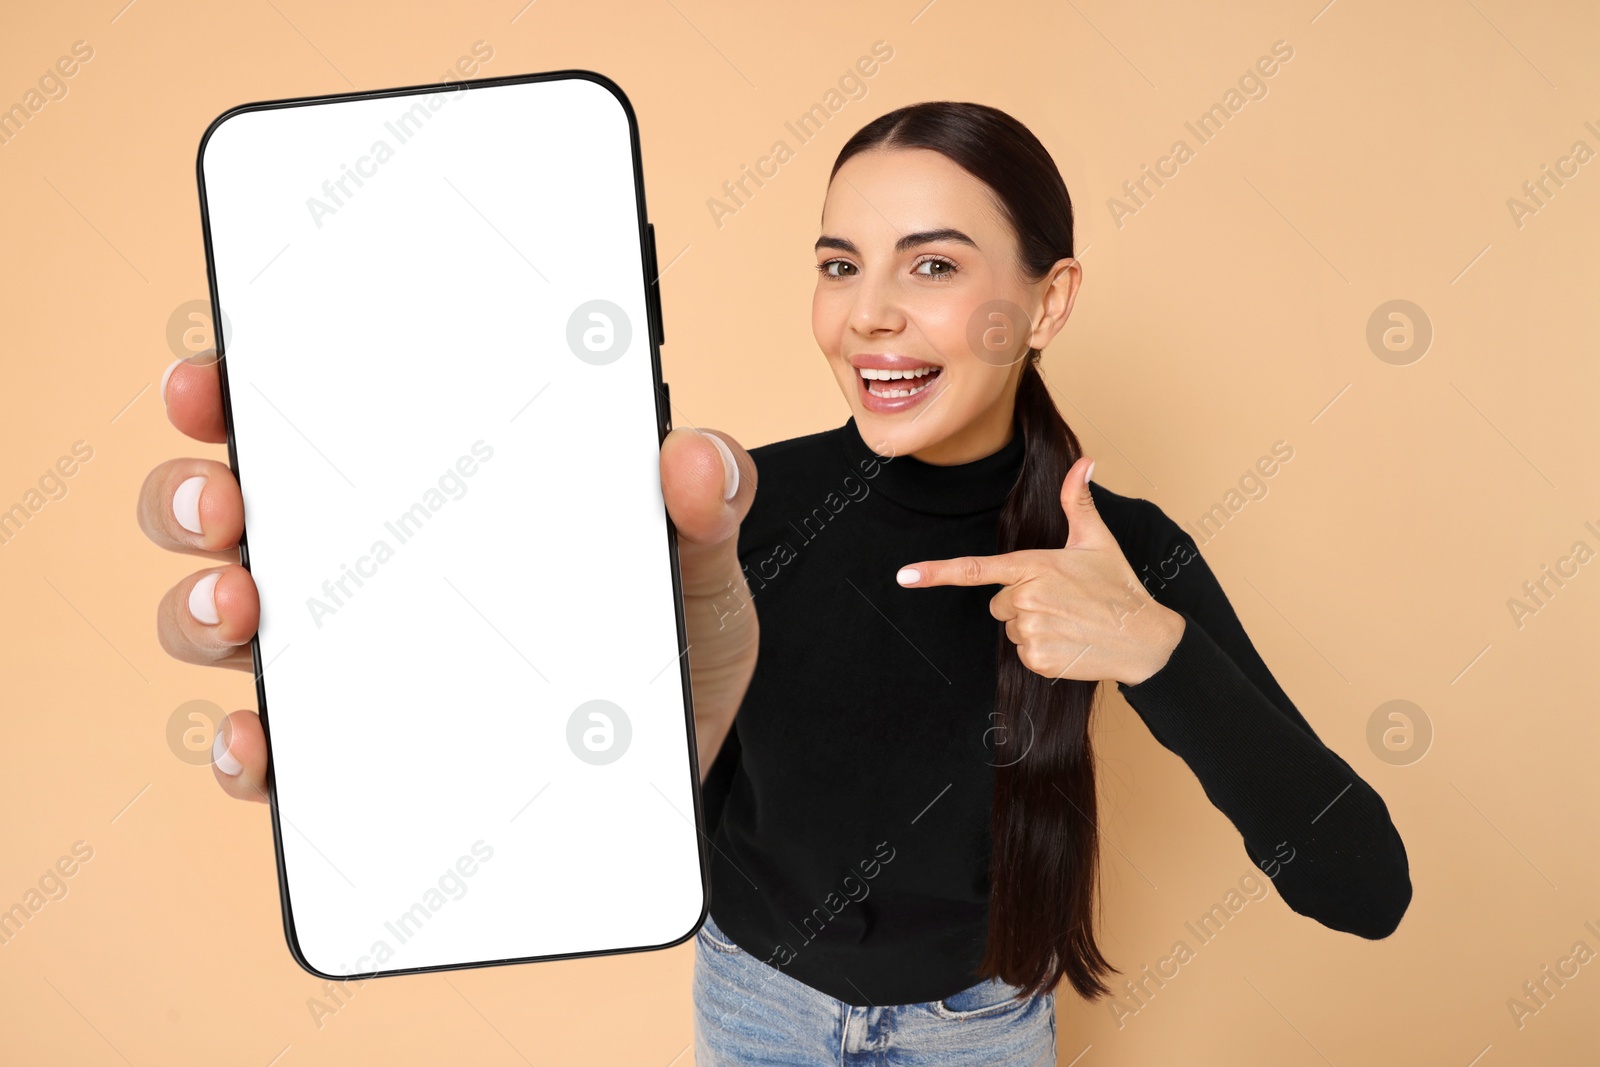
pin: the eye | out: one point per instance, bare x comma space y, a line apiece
940, 261
823, 267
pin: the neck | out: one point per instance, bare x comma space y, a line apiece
957, 489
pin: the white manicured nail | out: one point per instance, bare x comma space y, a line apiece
203, 599
908, 575
223, 758
1088, 475
730, 467
168, 374
186, 503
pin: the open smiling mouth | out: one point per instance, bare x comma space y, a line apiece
893, 384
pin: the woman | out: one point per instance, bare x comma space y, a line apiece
897, 767
905, 802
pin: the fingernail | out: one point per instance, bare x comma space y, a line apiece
1088, 475
203, 599
168, 374
908, 576
221, 756
730, 468
186, 503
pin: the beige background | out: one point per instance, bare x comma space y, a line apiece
1228, 312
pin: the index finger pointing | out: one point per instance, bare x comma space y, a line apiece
1005, 569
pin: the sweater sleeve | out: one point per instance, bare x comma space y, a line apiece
1306, 818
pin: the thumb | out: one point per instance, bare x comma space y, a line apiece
698, 468
1084, 525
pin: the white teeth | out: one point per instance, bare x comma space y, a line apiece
890, 394
873, 374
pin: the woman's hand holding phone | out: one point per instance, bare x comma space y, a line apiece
194, 506
719, 615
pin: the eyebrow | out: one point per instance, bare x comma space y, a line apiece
910, 240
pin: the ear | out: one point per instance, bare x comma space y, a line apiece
1057, 299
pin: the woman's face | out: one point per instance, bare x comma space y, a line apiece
919, 273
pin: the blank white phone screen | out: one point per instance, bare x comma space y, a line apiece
441, 374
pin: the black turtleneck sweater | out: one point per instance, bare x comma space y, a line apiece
849, 806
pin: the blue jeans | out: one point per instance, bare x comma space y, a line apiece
749, 1013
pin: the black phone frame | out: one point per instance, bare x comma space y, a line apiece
652, 287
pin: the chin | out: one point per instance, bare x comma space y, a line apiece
894, 435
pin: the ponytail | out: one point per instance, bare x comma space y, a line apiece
1044, 858
1044, 833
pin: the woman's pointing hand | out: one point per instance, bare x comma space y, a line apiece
1076, 612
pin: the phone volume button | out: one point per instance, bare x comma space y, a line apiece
655, 284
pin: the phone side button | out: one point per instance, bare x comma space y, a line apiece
655, 284
666, 403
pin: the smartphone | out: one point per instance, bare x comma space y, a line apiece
439, 331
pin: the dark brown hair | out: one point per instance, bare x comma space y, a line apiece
1044, 862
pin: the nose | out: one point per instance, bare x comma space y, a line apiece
876, 308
